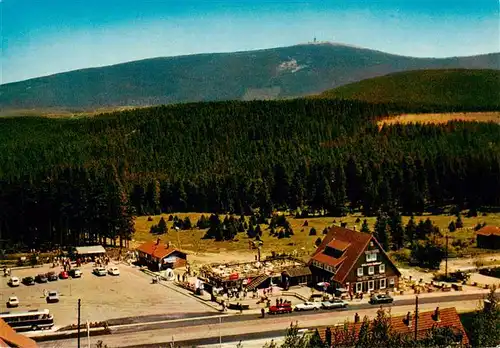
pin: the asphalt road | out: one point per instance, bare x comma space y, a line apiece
211, 320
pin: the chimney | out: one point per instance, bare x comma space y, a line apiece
354, 228
356, 318
158, 241
408, 319
437, 315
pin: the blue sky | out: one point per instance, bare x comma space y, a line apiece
42, 37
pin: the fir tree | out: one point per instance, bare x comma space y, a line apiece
365, 228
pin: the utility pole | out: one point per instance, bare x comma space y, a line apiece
220, 335
416, 317
79, 305
446, 259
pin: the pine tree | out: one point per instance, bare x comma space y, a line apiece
365, 228
452, 227
382, 231
411, 230
186, 225
162, 226
459, 223
396, 229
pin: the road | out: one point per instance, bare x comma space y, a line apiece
250, 326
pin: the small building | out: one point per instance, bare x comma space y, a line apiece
158, 256
10, 338
488, 237
405, 325
89, 251
354, 262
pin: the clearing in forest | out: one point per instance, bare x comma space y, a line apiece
441, 118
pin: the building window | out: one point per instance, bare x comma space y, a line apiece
391, 281
382, 283
371, 270
360, 271
359, 287
381, 268
371, 285
371, 257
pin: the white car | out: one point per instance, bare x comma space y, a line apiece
13, 302
308, 306
52, 297
99, 271
114, 271
334, 303
14, 281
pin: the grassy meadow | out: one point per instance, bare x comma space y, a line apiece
301, 243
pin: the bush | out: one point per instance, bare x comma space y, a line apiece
318, 241
170, 218
358, 220
306, 223
325, 230
312, 232
150, 218
478, 227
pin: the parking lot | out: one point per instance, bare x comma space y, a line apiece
130, 294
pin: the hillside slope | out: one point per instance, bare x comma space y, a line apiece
474, 88
265, 74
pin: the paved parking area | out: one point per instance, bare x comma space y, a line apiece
128, 295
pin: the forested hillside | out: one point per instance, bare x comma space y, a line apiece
69, 180
263, 74
457, 87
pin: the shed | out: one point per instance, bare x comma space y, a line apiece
488, 237
159, 256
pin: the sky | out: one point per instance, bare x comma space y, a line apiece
43, 37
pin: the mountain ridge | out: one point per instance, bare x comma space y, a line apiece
276, 73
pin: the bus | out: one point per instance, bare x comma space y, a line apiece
30, 320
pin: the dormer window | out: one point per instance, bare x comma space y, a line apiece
371, 257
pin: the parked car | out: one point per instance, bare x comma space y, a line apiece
29, 281
52, 297
75, 273
281, 309
99, 271
381, 298
41, 278
63, 275
114, 271
52, 276
334, 304
13, 301
308, 306
14, 281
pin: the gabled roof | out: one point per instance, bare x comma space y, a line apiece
12, 339
489, 231
426, 321
157, 249
353, 243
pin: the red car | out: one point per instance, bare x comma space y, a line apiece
281, 309
63, 275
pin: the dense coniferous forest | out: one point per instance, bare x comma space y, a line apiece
73, 181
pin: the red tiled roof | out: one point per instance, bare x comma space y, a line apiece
10, 338
338, 244
354, 244
358, 241
328, 260
489, 230
426, 321
155, 249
